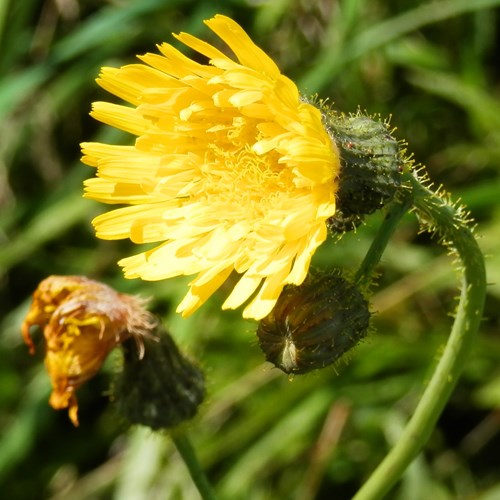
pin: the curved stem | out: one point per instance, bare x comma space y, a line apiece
437, 215
396, 211
186, 450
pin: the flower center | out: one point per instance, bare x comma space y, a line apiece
236, 175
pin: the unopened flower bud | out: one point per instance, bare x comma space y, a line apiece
314, 324
371, 167
82, 321
160, 389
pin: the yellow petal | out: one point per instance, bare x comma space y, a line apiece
197, 295
245, 287
121, 117
241, 44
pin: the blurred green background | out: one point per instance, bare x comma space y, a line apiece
433, 67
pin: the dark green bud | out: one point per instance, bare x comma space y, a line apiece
314, 324
159, 387
371, 167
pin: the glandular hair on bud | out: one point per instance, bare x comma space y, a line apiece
314, 324
162, 388
371, 167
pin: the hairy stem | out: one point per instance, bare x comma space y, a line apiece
437, 215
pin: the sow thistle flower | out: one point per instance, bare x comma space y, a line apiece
231, 171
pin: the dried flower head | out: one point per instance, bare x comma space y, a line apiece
82, 321
231, 171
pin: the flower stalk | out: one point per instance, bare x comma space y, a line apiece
437, 215
188, 454
396, 211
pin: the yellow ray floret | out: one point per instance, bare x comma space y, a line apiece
231, 171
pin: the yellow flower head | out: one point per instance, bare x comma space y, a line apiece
82, 321
231, 171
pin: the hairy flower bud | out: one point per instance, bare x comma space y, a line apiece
82, 321
314, 324
161, 389
371, 167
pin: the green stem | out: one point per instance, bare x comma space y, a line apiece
4, 6
437, 215
397, 209
186, 450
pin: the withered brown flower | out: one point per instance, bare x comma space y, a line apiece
82, 321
